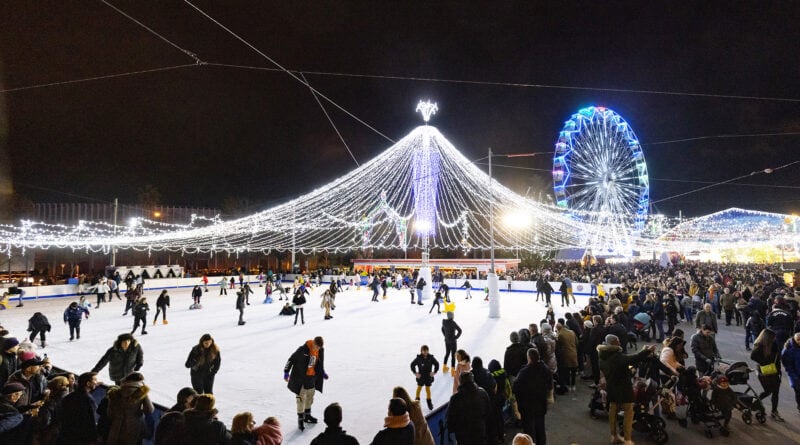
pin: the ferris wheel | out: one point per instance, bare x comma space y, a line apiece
599, 171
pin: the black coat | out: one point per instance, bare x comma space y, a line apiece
121, 363
163, 300
204, 429
424, 366
467, 414
531, 389
334, 436
515, 358
206, 367
395, 436
297, 366
451, 330
77, 419
38, 323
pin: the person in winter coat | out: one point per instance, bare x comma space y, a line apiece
29, 376
202, 425
305, 373
780, 321
38, 325
615, 367
171, 429
269, 432
420, 287
242, 429
223, 286
705, 351
463, 364
204, 361
422, 435
78, 425
73, 315
469, 412
515, 357
767, 356
485, 381
140, 310
334, 434
503, 395
48, 422
399, 429
240, 304
162, 303
790, 357
326, 303
532, 390
451, 331
424, 367
197, 293
15, 427
567, 355
706, 316
724, 399
123, 358
127, 407
298, 301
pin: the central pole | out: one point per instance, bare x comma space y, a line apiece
494, 296
114, 249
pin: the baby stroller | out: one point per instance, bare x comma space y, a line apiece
599, 401
699, 409
748, 401
641, 325
645, 420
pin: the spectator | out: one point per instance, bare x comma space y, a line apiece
567, 354
791, 361
533, 391
780, 321
9, 361
33, 381
333, 434
49, 421
767, 355
171, 429
615, 367
127, 407
202, 425
706, 317
399, 429
485, 381
463, 366
522, 439
514, 358
704, 348
123, 358
78, 426
469, 412
503, 395
185, 398
422, 435
269, 432
15, 428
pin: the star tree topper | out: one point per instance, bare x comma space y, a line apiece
427, 108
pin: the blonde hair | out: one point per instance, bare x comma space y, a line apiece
522, 439
242, 423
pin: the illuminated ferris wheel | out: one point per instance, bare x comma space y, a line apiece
599, 171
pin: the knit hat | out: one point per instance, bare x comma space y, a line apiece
204, 402
9, 343
588, 324
494, 365
12, 387
27, 355
450, 315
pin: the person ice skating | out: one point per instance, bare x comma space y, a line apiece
420, 287
101, 289
375, 285
73, 315
468, 288
424, 367
449, 305
223, 286
124, 357
299, 300
38, 325
196, 294
232, 283
240, 303
204, 362
437, 300
140, 315
247, 292
327, 299
131, 295
113, 288
268, 293
305, 373
451, 331
161, 307
205, 282
287, 309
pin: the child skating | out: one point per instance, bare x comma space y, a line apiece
424, 367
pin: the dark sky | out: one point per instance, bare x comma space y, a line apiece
201, 134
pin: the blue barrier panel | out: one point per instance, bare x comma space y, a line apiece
437, 424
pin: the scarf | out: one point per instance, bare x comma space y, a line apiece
312, 359
397, 421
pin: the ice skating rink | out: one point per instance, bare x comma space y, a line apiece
368, 348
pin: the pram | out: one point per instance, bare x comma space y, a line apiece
645, 420
641, 325
747, 401
699, 409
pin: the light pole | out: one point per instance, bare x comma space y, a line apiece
491, 277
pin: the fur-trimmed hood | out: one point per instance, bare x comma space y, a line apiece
130, 392
606, 351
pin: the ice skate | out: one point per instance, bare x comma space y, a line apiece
308, 418
165, 322
445, 369
430, 404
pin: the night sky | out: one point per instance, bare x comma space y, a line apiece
201, 134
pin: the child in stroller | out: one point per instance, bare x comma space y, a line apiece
747, 401
647, 399
724, 399
700, 409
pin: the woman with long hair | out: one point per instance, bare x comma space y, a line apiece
242, 429
422, 435
767, 355
463, 364
203, 362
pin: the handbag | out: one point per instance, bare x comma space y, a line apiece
770, 369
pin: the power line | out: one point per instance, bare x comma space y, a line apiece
341, 138
722, 136
88, 79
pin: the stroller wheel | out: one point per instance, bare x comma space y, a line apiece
761, 417
659, 436
747, 418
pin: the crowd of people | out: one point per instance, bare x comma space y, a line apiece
543, 361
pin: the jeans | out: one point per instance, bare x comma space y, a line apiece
688, 314
419, 296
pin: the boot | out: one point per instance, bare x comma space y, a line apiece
165, 321
445, 369
154, 322
300, 422
241, 323
430, 404
308, 418
453, 372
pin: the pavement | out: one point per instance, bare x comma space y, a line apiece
568, 421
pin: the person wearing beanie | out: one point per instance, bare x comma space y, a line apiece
123, 358
202, 426
398, 427
514, 358
333, 434
204, 361
305, 373
451, 331
29, 376
468, 412
424, 367
9, 362
17, 428
73, 315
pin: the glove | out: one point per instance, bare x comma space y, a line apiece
325, 375
286, 376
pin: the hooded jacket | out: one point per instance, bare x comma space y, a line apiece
298, 365
614, 365
127, 406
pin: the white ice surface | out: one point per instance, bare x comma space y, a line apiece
368, 348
